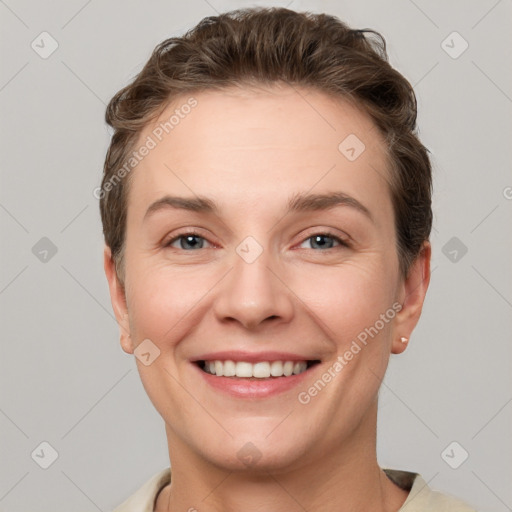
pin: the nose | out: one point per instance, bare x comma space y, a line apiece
254, 295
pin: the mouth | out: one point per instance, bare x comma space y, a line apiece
250, 375
261, 370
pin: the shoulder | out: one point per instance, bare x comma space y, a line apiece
422, 498
144, 498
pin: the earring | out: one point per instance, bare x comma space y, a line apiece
403, 339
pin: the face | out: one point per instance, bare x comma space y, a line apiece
254, 237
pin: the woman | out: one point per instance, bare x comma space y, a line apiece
266, 207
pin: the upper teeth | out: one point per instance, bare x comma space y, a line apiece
261, 370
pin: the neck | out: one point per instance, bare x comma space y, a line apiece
347, 478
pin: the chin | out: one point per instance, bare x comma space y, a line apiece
256, 452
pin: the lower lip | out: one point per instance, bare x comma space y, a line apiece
262, 388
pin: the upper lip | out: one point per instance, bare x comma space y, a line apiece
253, 357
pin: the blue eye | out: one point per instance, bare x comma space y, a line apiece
324, 241
187, 241
193, 241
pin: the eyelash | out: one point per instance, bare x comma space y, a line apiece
340, 241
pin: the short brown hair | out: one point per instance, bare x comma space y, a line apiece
268, 46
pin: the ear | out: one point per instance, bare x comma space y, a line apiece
412, 295
118, 299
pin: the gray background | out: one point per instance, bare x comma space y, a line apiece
63, 376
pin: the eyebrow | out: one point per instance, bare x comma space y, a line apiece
310, 202
297, 203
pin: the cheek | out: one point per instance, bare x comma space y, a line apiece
347, 298
163, 302
164, 306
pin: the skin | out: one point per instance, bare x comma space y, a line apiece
249, 150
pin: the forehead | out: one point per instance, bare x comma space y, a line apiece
259, 144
